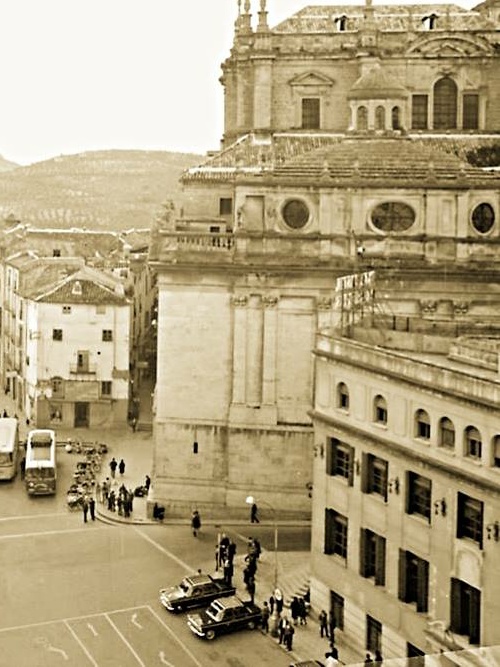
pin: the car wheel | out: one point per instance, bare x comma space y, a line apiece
210, 634
251, 625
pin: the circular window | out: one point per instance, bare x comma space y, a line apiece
393, 216
483, 218
295, 214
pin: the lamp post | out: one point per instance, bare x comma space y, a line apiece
250, 500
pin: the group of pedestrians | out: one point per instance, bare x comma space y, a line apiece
225, 551
113, 465
88, 505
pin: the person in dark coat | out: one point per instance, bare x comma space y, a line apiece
85, 508
113, 464
323, 623
294, 609
331, 627
302, 612
251, 588
92, 508
253, 514
195, 522
265, 618
121, 466
289, 632
147, 483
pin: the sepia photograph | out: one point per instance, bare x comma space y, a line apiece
250, 333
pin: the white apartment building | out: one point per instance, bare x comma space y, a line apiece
76, 350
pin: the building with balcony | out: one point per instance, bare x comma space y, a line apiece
74, 347
406, 502
355, 138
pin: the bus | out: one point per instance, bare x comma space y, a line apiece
9, 447
40, 469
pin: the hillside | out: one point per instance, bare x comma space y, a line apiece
116, 189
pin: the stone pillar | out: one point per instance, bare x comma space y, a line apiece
254, 349
270, 352
239, 347
262, 102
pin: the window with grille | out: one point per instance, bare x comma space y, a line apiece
465, 610
107, 335
473, 443
57, 385
57, 334
445, 104
413, 580
372, 556
419, 112
418, 498
470, 111
373, 634
310, 113
340, 460
446, 433
470, 518
374, 475
335, 533
422, 425
342, 396
393, 216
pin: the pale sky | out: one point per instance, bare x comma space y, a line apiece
81, 75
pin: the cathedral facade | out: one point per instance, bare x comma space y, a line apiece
356, 139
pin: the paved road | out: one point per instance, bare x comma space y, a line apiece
87, 594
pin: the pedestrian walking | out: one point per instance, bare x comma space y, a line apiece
133, 424
294, 609
195, 522
113, 464
92, 508
147, 483
85, 507
302, 612
278, 599
228, 571
253, 513
281, 629
265, 617
368, 660
289, 632
323, 623
257, 548
271, 603
251, 588
121, 467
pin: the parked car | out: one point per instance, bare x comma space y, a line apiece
197, 590
225, 615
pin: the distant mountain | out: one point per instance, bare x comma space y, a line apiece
107, 190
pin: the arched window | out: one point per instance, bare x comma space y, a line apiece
342, 396
445, 104
446, 433
396, 118
380, 118
362, 118
472, 442
422, 425
496, 451
380, 410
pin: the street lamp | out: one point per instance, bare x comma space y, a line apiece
250, 500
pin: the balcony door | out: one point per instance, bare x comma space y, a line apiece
81, 415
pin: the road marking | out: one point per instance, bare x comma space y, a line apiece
163, 659
82, 645
42, 624
32, 516
92, 629
168, 553
13, 536
125, 641
174, 636
135, 621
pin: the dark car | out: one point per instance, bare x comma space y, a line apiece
225, 615
196, 591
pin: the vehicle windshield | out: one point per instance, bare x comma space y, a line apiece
184, 586
40, 473
214, 613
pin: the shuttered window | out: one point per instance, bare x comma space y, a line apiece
419, 114
374, 475
465, 611
335, 533
413, 580
470, 518
310, 113
340, 460
372, 556
418, 498
470, 111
